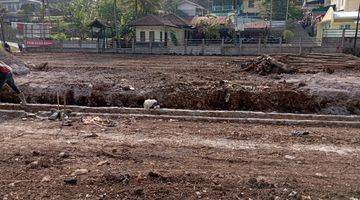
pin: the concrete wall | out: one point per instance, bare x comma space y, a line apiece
147, 29
180, 33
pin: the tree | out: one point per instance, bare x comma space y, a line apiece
79, 14
143, 7
276, 10
28, 10
170, 6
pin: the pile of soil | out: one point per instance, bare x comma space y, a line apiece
18, 66
265, 65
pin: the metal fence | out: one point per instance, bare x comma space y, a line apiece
239, 46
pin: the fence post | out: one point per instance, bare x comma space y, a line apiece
185, 46
150, 46
80, 45
300, 46
343, 40
115, 45
62, 45
240, 46
259, 45
203, 47
281, 46
222, 46
133, 45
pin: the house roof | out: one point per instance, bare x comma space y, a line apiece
161, 20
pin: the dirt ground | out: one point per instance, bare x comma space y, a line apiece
128, 158
322, 84
169, 159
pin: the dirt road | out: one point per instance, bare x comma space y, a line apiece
169, 159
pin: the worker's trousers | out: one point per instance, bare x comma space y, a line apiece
8, 79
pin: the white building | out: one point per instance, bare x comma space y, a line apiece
13, 6
191, 9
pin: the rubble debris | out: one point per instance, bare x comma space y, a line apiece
70, 181
41, 163
101, 163
156, 177
91, 135
259, 184
266, 65
328, 70
46, 179
139, 192
151, 104
79, 172
290, 157
64, 155
36, 153
99, 121
119, 178
128, 88
42, 67
293, 194
299, 133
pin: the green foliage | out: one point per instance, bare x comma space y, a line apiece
58, 36
142, 7
79, 14
170, 6
212, 31
288, 35
277, 10
173, 38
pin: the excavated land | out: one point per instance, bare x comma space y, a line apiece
103, 157
110, 148
317, 83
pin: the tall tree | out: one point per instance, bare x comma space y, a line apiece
79, 14
276, 9
143, 7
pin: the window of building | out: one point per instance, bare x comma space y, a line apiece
142, 36
152, 36
251, 4
345, 26
161, 36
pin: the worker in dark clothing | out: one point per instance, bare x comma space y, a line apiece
7, 47
6, 77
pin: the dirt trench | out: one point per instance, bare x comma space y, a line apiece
177, 96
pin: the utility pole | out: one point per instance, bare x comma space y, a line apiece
2, 14
357, 30
115, 23
136, 9
43, 10
287, 10
271, 14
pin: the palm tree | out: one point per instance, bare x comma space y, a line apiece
143, 7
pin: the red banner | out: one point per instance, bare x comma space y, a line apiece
39, 43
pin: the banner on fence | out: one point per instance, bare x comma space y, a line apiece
39, 43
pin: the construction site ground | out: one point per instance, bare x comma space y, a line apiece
322, 83
121, 153
171, 159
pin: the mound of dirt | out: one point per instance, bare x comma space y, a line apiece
18, 66
265, 65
